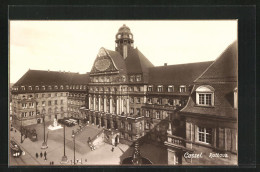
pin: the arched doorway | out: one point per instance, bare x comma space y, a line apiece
97, 121
102, 122
38, 120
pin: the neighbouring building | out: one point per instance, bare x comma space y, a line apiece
46, 94
210, 116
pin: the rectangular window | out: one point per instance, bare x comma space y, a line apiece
170, 88
150, 88
138, 111
56, 102
132, 110
157, 115
159, 88
204, 135
205, 99
138, 100
149, 100
147, 125
36, 87
43, 103
147, 113
49, 103
130, 127
138, 78
159, 101
132, 78
170, 102
43, 95
61, 102
131, 100
182, 88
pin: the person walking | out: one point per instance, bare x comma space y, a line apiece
45, 155
36, 155
41, 154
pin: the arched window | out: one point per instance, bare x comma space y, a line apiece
205, 95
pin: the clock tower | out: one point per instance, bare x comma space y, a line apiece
124, 40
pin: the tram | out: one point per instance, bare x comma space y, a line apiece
15, 149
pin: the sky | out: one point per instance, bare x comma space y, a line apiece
72, 46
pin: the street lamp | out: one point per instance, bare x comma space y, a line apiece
21, 129
64, 158
44, 144
73, 136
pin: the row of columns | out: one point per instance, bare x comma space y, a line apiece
93, 119
119, 106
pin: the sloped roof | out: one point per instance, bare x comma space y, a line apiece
117, 59
136, 62
177, 74
40, 77
222, 76
224, 68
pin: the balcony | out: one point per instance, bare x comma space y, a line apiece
175, 141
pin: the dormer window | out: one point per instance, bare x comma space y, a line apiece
49, 87
30, 87
150, 88
182, 88
123, 78
56, 87
170, 88
77, 87
205, 95
43, 87
80, 87
36, 87
84, 87
132, 78
235, 98
138, 78
159, 88
23, 88
61, 87
67, 87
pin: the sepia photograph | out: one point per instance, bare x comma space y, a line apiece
123, 93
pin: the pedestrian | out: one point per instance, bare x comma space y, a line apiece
52, 162
36, 155
41, 154
15, 131
45, 154
112, 149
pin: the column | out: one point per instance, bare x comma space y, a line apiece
122, 105
127, 106
90, 119
105, 104
89, 102
99, 103
94, 102
117, 105
110, 105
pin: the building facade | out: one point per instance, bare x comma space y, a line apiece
42, 95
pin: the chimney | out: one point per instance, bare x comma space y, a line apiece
48, 70
165, 64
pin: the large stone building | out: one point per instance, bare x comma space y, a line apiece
184, 108
47, 94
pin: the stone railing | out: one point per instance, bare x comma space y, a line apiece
176, 141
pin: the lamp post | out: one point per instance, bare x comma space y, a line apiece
44, 144
64, 158
73, 136
21, 129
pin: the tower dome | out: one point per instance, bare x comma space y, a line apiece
124, 40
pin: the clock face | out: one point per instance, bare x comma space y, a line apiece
102, 65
